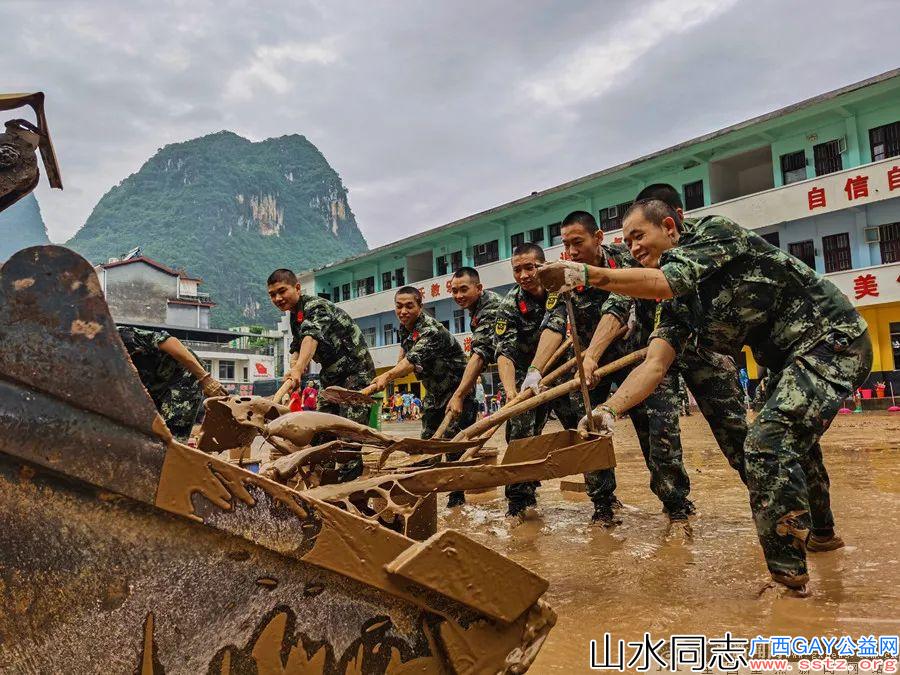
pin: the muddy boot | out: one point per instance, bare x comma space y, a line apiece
517, 507
679, 528
603, 515
820, 544
786, 585
456, 499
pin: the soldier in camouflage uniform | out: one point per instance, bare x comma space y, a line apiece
325, 333
172, 375
668, 478
468, 293
712, 379
433, 354
530, 325
729, 287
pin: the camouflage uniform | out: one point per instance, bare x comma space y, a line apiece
344, 357
482, 318
439, 362
520, 320
733, 288
175, 392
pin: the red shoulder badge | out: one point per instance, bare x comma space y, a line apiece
523, 307
300, 316
415, 335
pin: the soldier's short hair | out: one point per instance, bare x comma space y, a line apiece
409, 290
583, 218
282, 276
470, 272
663, 192
654, 210
528, 247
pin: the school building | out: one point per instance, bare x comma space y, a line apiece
819, 178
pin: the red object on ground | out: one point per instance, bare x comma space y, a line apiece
866, 393
296, 405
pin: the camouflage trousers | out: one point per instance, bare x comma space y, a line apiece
432, 418
713, 380
568, 409
353, 469
789, 486
179, 405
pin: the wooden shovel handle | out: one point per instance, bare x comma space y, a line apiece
282, 390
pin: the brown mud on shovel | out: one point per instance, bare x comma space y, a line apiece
123, 550
342, 396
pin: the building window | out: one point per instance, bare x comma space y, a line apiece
385, 281
836, 251
399, 276
793, 167
389, 336
226, 370
516, 240
827, 157
246, 374
487, 253
885, 141
369, 336
324, 296
611, 218
207, 365
555, 234
446, 324
773, 238
889, 241
336, 294
693, 195
536, 235
365, 286
459, 321
345, 292
804, 251
449, 263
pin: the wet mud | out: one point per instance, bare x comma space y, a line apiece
638, 577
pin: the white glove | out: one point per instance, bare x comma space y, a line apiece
532, 381
563, 275
604, 419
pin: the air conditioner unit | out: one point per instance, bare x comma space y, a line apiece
842, 144
481, 249
873, 235
612, 212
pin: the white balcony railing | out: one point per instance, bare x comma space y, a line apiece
782, 204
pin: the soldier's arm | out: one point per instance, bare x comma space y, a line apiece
553, 330
402, 369
548, 343
608, 330
173, 347
299, 365
507, 371
467, 383
644, 379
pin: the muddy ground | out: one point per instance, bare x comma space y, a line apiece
634, 578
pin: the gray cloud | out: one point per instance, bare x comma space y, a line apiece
429, 111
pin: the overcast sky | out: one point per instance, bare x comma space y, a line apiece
430, 111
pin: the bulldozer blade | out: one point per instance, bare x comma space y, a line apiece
124, 550
562, 454
342, 396
221, 429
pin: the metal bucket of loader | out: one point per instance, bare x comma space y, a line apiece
123, 550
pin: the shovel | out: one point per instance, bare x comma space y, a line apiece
343, 396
